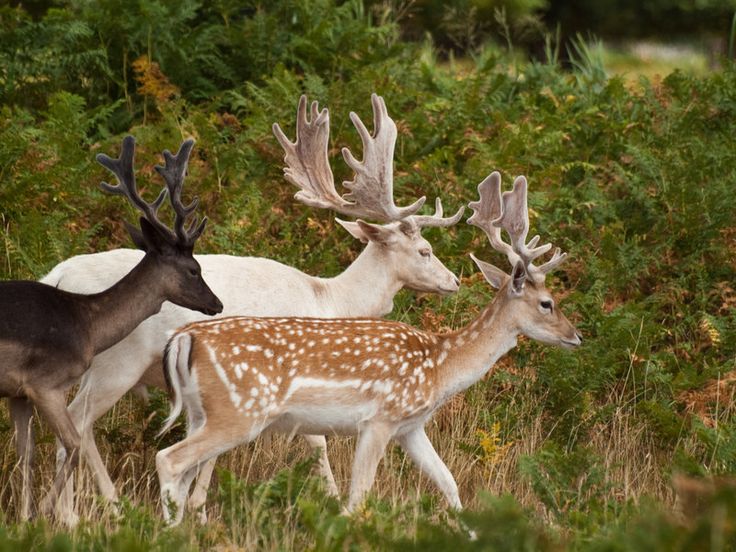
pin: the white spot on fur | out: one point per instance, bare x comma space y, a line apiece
235, 397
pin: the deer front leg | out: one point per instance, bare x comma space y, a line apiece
320, 442
372, 443
419, 448
101, 388
21, 412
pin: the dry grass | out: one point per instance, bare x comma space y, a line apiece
631, 462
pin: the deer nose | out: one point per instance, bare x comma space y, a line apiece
579, 336
456, 281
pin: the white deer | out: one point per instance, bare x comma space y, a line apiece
396, 256
377, 379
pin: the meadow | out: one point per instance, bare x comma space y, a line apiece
628, 443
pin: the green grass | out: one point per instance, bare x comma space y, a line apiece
653, 60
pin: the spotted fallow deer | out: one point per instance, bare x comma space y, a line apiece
396, 256
48, 337
378, 379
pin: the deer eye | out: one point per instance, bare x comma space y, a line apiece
547, 305
425, 253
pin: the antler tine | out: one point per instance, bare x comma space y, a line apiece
425, 221
557, 258
371, 189
307, 165
122, 168
195, 230
488, 209
174, 172
515, 220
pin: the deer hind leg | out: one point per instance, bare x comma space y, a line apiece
372, 443
177, 465
419, 448
320, 442
52, 406
198, 498
21, 412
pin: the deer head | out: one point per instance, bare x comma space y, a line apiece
531, 308
171, 249
370, 194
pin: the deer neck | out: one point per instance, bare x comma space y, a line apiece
467, 355
367, 287
117, 311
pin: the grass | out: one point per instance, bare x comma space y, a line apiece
653, 60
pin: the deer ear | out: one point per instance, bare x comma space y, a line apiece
367, 232
137, 236
518, 278
494, 276
353, 229
153, 239
409, 228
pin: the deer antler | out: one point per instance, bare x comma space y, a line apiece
373, 183
510, 212
426, 221
515, 220
307, 164
371, 190
488, 209
173, 173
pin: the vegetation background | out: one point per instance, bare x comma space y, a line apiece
626, 444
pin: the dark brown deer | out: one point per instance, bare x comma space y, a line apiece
48, 337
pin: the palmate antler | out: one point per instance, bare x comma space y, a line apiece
371, 190
493, 212
173, 173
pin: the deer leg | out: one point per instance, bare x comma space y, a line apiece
100, 390
177, 464
419, 448
21, 412
52, 406
320, 442
372, 443
141, 391
198, 498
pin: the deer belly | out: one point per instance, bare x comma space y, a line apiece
330, 408
323, 419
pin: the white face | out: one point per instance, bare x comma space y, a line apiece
417, 265
409, 255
